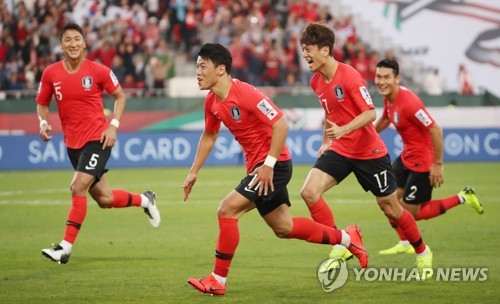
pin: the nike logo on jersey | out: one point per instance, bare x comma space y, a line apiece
409, 198
57, 83
89, 168
383, 190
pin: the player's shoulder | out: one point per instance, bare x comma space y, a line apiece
54, 67
95, 66
409, 96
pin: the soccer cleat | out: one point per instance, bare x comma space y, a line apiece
424, 265
356, 247
152, 209
209, 285
399, 248
338, 254
56, 254
470, 199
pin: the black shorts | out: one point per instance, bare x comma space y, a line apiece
265, 204
374, 175
91, 159
417, 185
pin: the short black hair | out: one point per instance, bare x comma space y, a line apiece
69, 27
218, 54
319, 34
390, 64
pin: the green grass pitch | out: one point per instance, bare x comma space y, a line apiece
119, 258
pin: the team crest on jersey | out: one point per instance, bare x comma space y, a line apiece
396, 118
236, 113
87, 82
339, 92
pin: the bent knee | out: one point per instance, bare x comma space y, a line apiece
309, 195
282, 231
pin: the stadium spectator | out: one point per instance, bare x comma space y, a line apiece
183, 24
350, 145
268, 165
419, 168
433, 83
464, 81
77, 85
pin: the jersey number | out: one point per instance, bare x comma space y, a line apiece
92, 162
382, 180
58, 93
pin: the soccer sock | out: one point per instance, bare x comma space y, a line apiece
398, 230
75, 218
229, 237
310, 231
122, 199
321, 213
437, 207
409, 227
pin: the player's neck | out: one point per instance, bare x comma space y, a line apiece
328, 69
221, 89
72, 65
391, 97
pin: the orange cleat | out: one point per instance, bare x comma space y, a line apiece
209, 285
356, 247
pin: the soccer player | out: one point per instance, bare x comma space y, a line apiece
77, 84
260, 128
350, 145
419, 168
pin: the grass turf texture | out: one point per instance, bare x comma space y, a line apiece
119, 258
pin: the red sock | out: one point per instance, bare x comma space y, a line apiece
437, 207
310, 231
75, 218
321, 213
409, 227
229, 237
400, 232
122, 198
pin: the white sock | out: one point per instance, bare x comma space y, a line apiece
405, 242
461, 198
144, 201
221, 280
346, 239
424, 253
66, 246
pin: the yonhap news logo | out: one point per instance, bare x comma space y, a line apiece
337, 277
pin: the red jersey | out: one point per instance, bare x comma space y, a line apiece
249, 116
344, 98
79, 99
412, 121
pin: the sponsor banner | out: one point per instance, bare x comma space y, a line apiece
179, 148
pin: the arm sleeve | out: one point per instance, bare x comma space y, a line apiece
420, 114
212, 123
263, 108
359, 92
44, 95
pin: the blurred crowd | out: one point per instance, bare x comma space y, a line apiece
141, 40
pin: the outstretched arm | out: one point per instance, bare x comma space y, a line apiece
108, 137
436, 174
205, 145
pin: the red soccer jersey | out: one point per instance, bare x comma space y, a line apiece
412, 121
79, 99
344, 98
249, 115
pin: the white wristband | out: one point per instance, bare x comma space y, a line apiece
270, 161
43, 122
115, 122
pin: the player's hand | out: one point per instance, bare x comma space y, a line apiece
188, 185
263, 181
335, 132
436, 175
108, 137
324, 147
44, 132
